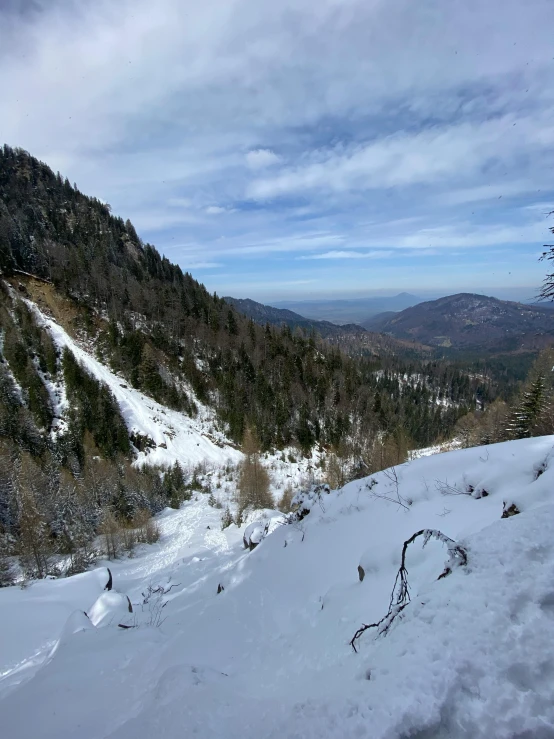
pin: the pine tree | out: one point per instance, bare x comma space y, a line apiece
532, 404
226, 518
232, 326
150, 379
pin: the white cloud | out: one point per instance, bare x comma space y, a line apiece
546, 207
482, 193
79, 78
261, 158
216, 210
180, 202
173, 112
289, 243
191, 265
467, 235
155, 219
430, 156
382, 254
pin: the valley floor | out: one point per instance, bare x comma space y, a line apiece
471, 656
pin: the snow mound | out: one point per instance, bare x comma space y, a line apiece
110, 608
470, 657
253, 534
78, 621
175, 436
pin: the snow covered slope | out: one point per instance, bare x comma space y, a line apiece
176, 436
268, 656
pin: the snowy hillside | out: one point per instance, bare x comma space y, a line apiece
175, 436
471, 656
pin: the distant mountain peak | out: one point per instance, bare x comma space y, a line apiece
471, 320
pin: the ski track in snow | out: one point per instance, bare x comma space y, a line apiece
471, 657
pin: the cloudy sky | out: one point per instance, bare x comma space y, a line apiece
294, 148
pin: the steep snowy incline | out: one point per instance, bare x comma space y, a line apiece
191, 543
177, 437
471, 657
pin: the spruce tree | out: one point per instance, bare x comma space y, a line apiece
529, 409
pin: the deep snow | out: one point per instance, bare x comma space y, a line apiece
472, 655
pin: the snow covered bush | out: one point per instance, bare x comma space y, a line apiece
254, 533
305, 500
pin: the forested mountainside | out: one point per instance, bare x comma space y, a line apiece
99, 330
352, 339
281, 316
467, 321
165, 333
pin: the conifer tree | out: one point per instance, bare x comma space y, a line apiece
149, 377
529, 409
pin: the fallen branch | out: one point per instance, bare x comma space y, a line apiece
35, 277
445, 488
400, 596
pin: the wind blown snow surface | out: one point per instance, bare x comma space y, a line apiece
471, 656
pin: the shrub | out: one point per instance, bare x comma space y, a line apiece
285, 501
226, 519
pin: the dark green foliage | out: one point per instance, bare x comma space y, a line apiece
533, 410
529, 409
167, 333
23, 363
93, 408
16, 421
175, 489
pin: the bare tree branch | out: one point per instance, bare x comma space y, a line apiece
400, 596
391, 475
444, 488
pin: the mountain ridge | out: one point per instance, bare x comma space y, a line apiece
472, 321
261, 313
348, 310
351, 338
